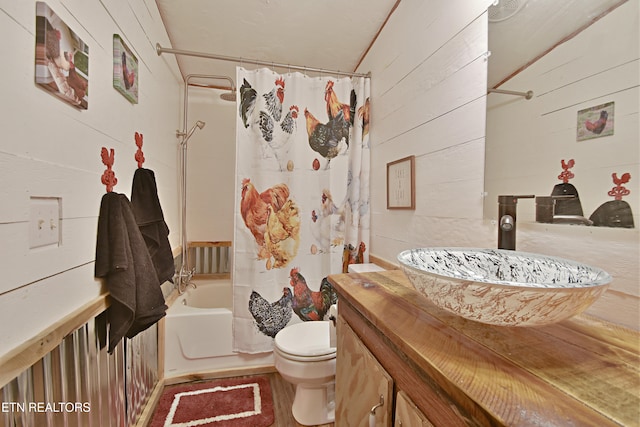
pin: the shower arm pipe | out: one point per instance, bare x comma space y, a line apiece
160, 50
527, 95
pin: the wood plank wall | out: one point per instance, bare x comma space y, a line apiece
50, 149
429, 100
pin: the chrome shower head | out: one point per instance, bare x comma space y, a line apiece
185, 136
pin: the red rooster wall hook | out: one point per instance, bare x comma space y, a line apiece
139, 154
566, 174
620, 190
108, 176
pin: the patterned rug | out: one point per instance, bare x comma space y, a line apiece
230, 402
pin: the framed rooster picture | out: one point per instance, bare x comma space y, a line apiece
595, 122
125, 70
62, 59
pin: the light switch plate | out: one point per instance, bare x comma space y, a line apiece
44, 222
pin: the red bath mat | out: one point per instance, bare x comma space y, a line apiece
230, 402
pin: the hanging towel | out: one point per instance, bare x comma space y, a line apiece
148, 213
123, 261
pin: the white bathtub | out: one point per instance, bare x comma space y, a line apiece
198, 332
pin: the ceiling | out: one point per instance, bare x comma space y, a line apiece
327, 34
335, 34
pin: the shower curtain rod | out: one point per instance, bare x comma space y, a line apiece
160, 50
527, 95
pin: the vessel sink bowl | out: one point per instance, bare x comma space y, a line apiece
501, 287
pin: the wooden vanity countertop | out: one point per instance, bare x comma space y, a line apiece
581, 371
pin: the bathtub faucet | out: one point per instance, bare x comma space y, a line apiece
182, 280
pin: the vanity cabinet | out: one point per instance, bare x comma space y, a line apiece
407, 413
368, 368
435, 368
360, 382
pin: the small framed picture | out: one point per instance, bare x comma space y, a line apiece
401, 180
62, 59
125, 70
595, 122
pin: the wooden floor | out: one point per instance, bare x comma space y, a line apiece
283, 393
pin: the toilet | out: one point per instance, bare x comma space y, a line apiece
305, 355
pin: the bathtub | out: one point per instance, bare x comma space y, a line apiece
198, 332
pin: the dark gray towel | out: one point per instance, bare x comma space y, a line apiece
123, 261
148, 213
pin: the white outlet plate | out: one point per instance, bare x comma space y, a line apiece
44, 222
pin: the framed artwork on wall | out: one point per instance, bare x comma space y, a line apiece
61, 60
125, 70
401, 191
595, 122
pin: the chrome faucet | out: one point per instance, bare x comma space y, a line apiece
182, 279
507, 206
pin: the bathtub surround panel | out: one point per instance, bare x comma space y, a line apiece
198, 332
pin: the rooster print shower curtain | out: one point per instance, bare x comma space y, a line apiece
302, 200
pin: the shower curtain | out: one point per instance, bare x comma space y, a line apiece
302, 201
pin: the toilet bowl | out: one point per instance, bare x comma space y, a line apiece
303, 357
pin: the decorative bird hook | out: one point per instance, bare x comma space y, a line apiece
139, 154
566, 174
620, 190
108, 176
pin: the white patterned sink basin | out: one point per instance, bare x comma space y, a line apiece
500, 287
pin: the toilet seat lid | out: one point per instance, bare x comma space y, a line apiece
306, 339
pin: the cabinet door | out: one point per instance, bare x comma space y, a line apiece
407, 414
360, 381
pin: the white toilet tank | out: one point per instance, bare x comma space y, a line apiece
364, 268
